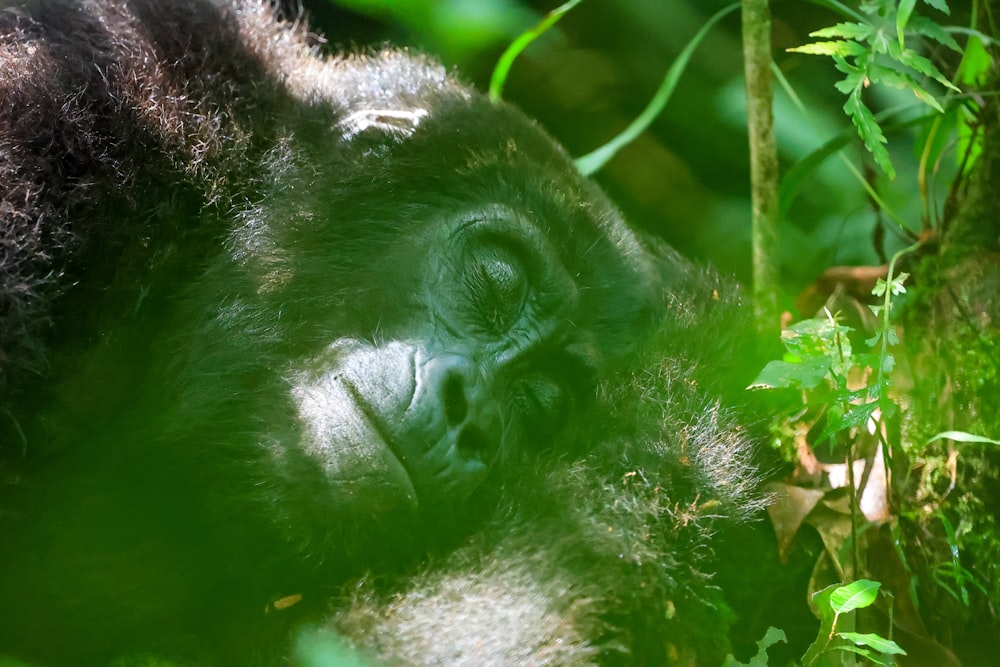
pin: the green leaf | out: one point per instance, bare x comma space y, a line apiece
869, 131
853, 81
821, 599
890, 77
897, 284
316, 647
593, 161
784, 375
820, 338
855, 415
880, 644
867, 654
507, 58
888, 364
903, 11
917, 62
976, 62
923, 26
859, 32
881, 42
838, 47
859, 66
771, 637
855, 595
940, 5
962, 436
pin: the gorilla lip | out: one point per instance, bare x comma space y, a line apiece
344, 437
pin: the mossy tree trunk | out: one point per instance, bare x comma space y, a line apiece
952, 333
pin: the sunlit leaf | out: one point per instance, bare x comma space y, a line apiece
855, 595
897, 284
976, 62
784, 375
838, 47
855, 31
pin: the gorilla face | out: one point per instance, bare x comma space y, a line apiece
490, 353
485, 288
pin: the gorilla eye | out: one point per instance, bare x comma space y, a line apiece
544, 403
497, 288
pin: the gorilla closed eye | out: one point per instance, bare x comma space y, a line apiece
545, 402
497, 286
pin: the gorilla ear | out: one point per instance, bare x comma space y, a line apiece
398, 123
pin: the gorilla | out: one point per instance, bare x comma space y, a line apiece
294, 340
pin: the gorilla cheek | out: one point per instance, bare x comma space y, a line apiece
398, 425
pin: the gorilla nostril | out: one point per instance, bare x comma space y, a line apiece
475, 444
456, 406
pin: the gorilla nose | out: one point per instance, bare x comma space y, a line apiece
456, 406
451, 389
455, 426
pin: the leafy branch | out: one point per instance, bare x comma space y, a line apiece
875, 50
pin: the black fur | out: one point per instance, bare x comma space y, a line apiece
191, 196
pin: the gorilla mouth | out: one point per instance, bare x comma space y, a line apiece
407, 422
344, 437
447, 467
